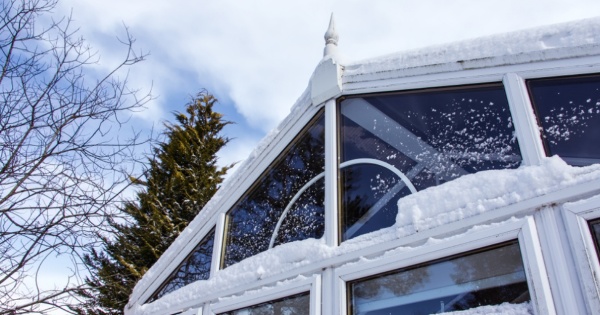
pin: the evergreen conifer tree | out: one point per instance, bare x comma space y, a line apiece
182, 176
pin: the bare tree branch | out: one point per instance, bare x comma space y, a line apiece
63, 161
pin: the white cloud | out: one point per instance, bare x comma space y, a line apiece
262, 52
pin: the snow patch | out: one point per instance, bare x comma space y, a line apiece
541, 43
502, 309
474, 194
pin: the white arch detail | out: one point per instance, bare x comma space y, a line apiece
388, 166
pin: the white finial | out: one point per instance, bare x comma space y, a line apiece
326, 81
331, 39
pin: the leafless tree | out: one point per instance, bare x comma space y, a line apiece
63, 159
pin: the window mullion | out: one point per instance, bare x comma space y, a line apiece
559, 262
331, 174
219, 245
537, 273
526, 127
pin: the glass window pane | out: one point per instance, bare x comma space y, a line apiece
595, 229
396, 144
295, 305
195, 267
568, 110
286, 204
488, 277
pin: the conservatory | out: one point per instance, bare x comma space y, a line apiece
453, 179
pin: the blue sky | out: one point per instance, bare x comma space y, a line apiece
257, 56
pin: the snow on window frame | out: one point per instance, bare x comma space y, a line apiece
310, 285
178, 277
489, 141
457, 289
303, 298
521, 230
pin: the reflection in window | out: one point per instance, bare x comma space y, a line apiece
286, 203
294, 305
568, 110
488, 277
595, 229
396, 144
195, 267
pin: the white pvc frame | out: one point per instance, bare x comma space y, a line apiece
312, 285
576, 216
513, 77
521, 108
524, 230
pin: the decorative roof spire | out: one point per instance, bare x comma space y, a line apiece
331, 39
326, 81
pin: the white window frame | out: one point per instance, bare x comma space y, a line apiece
219, 244
173, 265
576, 216
513, 77
279, 149
524, 230
526, 121
276, 292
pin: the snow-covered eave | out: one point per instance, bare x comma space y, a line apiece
437, 212
229, 192
561, 41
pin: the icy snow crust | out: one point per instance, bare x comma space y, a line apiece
429, 208
566, 40
502, 309
436, 206
469, 195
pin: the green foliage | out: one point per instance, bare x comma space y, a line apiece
181, 178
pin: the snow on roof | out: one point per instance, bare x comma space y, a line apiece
566, 40
436, 206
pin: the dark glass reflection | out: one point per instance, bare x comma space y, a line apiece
430, 136
595, 229
252, 222
369, 210
488, 277
305, 218
568, 110
294, 305
195, 267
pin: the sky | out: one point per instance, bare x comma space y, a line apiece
257, 56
